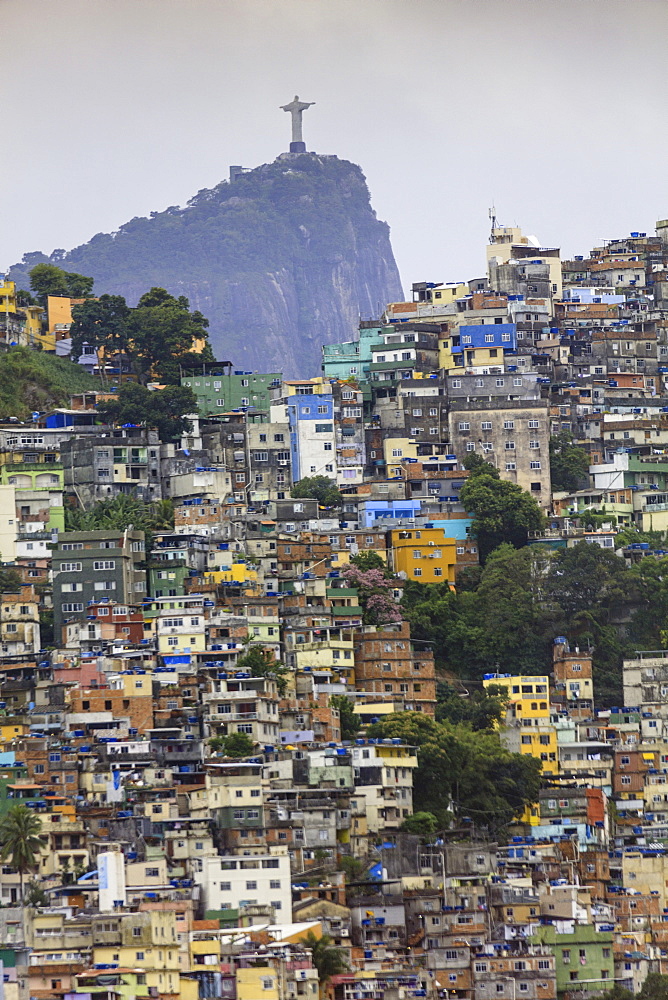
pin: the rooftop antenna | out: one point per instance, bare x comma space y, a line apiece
492, 216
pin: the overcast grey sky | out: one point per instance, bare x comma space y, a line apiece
553, 109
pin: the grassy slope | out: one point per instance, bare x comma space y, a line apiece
34, 380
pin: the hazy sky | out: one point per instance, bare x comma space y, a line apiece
555, 110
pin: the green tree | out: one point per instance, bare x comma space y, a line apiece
48, 279
78, 285
262, 663
46, 628
504, 623
480, 709
329, 961
350, 723
477, 466
370, 560
10, 579
320, 488
616, 993
236, 745
163, 409
24, 298
501, 512
459, 769
102, 323
34, 895
580, 577
355, 869
20, 842
424, 824
655, 987
569, 463
119, 513
164, 335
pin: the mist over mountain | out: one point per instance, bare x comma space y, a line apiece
288, 256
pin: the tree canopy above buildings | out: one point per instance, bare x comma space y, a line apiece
159, 336
462, 770
508, 617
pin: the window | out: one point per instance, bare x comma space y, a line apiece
70, 608
510, 446
104, 564
464, 426
534, 444
517, 381
275, 883
534, 465
508, 425
456, 383
533, 424
510, 466
486, 425
251, 885
70, 567
323, 428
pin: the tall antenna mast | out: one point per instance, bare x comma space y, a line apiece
492, 217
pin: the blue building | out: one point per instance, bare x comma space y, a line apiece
312, 437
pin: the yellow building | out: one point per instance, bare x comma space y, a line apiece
10, 731
12, 324
7, 297
223, 569
35, 333
395, 450
153, 950
446, 358
448, 292
258, 981
424, 554
528, 729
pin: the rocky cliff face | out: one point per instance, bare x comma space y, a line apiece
287, 257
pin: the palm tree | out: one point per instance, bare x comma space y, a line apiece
19, 840
327, 960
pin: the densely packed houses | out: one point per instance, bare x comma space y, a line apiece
184, 709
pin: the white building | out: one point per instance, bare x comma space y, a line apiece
7, 524
232, 882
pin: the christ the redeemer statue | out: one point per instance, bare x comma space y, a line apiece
296, 109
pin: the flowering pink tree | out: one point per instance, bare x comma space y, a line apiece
374, 590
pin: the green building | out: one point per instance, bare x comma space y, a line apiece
219, 389
584, 959
352, 358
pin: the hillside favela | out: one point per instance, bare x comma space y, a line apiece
333, 617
